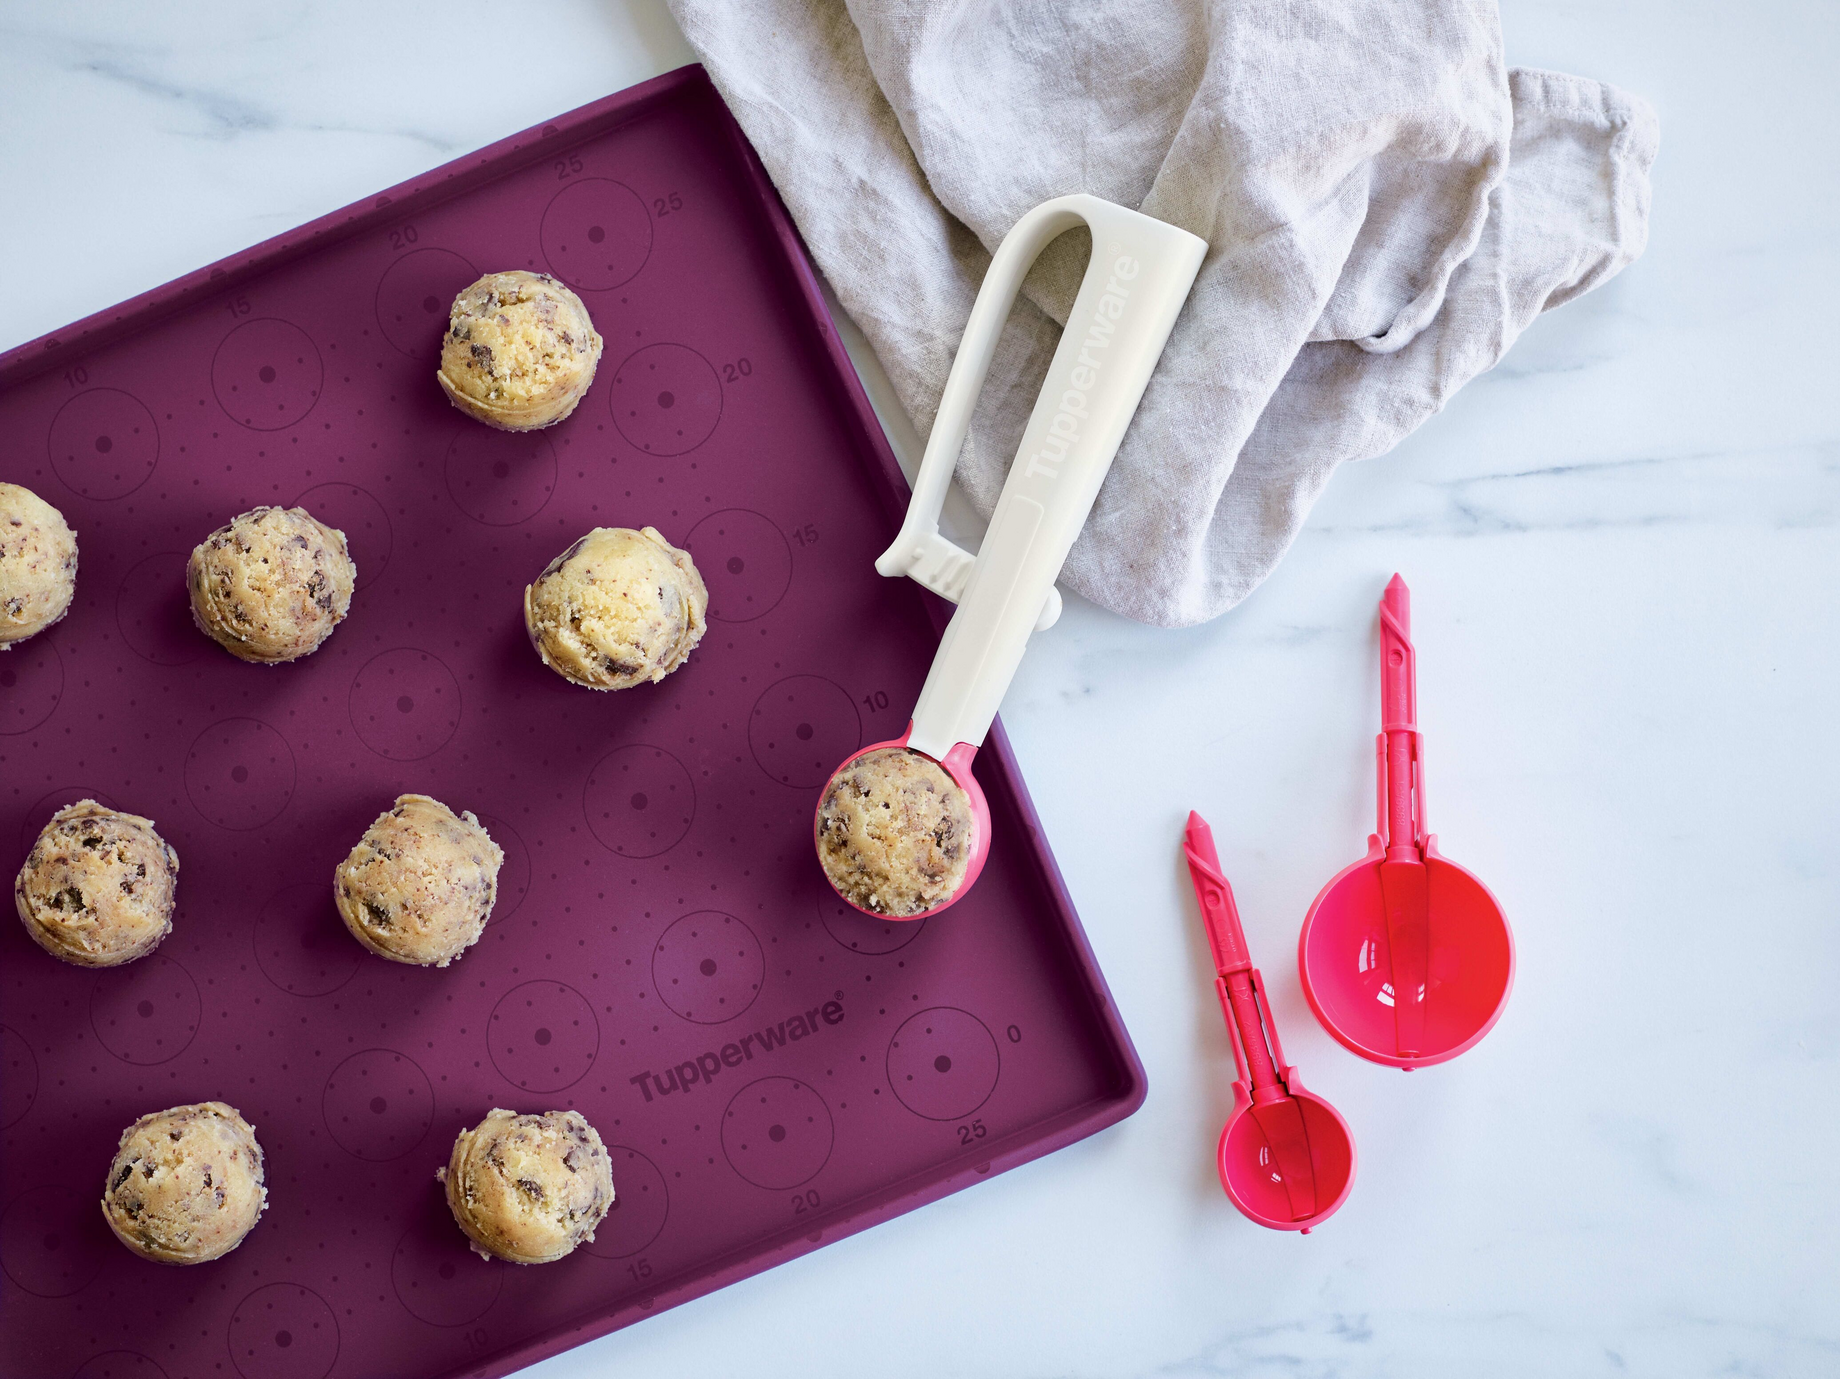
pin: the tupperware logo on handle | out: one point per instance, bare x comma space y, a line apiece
706, 1067
1071, 416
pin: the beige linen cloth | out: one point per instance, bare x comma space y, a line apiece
1386, 204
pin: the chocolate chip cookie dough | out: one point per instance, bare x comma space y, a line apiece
186, 1185
38, 564
895, 833
617, 609
519, 352
271, 585
420, 885
528, 1188
98, 887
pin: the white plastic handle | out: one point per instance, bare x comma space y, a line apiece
1136, 281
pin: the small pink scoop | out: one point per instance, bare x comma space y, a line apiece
1405, 957
1286, 1157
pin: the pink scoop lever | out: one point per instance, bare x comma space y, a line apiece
1286, 1157
1406, 958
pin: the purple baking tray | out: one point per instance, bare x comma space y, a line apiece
659, 900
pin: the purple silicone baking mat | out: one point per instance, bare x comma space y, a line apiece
660, 902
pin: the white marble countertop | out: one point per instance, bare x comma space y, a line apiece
1623, 545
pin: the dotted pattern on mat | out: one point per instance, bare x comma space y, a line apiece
664, 955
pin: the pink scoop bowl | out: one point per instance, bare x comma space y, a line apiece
956, 764
1406, 957
1286, 1156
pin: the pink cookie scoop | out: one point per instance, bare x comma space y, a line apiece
1406, 958
1286, 1157
956, 764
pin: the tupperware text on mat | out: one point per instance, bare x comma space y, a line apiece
704, 1067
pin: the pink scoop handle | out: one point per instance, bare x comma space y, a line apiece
1241, 1008
1226, 939
1402, 824
1404, 885
1277, 1113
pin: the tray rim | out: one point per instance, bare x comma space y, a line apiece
455, 178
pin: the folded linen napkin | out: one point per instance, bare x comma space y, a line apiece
1387, 206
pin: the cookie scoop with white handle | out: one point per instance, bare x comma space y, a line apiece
1136, 281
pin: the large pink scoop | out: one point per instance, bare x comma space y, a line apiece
1405, 957
1286, 1157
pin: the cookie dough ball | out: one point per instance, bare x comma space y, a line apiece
618, 608
186, 1184
420, 884
271, 585
519, 352
38, 564
98, 887
528, 1188
895, 832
